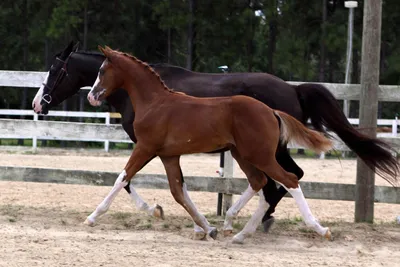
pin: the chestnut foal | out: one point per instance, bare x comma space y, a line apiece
169, 124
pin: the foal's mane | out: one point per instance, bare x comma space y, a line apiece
148, 68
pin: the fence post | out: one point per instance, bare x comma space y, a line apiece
107, 143
370, 56
34, 138
221, 174
228, 173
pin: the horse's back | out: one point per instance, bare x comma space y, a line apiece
264, 87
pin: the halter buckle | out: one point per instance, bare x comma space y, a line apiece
47, 98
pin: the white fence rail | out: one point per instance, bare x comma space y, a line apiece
5, 132
33, 79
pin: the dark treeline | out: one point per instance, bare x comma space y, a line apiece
294, 40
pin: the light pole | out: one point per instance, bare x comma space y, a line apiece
350, 5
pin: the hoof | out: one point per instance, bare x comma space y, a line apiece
88, 223
227, 233
238, 239
268, 223
328, 235
199, 236
158, 212
213, 233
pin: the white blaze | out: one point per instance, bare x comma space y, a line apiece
37, 107
90, 96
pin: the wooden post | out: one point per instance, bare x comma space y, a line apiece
107, 143
370, 56
228, 173
34, 139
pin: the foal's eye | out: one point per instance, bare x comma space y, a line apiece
101, 72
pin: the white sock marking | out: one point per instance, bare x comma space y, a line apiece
237, 206
106, 203
305, 211
188, 203
139, 202
255, 220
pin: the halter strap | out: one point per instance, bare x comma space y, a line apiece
47, 97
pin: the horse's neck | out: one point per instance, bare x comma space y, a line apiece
88, 66
143, 86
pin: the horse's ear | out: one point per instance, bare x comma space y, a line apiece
69, 46
102, 50
76, 47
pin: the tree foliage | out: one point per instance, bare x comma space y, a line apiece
283, 37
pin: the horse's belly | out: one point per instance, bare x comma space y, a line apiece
194, 144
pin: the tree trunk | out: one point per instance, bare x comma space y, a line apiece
273, 27
169, 46
191, 35
371, 40
321, 76
25, 63
85, 26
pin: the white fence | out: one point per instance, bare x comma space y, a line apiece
34, 79
71, 114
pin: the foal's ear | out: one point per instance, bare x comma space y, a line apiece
105, 51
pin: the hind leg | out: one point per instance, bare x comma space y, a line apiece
251, 226
252, 174
274, 192
305, 212
276, 172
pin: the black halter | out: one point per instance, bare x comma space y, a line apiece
63, 73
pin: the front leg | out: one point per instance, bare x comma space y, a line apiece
155, 210
179, 191
139, 158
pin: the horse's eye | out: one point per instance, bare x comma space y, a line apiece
101, 71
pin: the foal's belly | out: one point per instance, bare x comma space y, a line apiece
204, 130
194, 140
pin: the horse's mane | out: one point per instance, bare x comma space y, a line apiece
149, 68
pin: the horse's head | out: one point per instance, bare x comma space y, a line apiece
108, 78
57, 78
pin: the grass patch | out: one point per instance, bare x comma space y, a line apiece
121, 216
189, 225
238, 225
11, 211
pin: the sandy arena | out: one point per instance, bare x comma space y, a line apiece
41, 224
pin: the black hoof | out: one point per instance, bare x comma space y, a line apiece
268, 223
213, 234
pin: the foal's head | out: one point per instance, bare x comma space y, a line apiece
108, 80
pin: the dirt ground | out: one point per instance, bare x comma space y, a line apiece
41, 224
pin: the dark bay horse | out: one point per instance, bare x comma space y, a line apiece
169, 124
73, 69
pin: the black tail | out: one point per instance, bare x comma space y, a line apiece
322, 108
